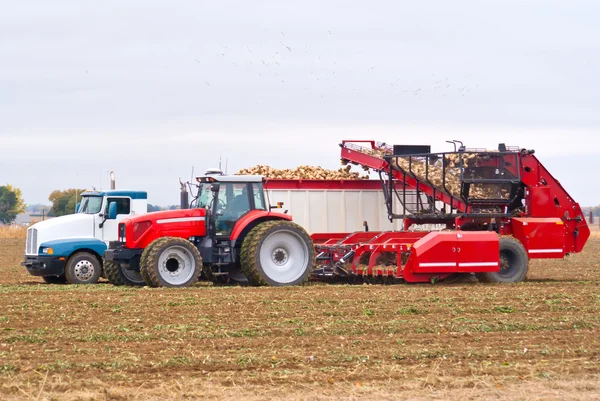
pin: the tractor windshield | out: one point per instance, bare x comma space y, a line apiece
204, 195
90, 204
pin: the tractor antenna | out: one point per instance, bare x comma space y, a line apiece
226, 162
220, 161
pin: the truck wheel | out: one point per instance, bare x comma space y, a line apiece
171, 262
118, 275
277, 253
55, 279
82, 268
514, 263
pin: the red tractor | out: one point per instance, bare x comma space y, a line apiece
230, 235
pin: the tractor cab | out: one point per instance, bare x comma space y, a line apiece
229, 198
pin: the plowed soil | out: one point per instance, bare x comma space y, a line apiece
536, 340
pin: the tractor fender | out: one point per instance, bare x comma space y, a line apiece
254, 217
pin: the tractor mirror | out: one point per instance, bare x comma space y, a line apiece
214, 187
112, 210
77, 208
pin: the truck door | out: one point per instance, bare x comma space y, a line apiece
110, 228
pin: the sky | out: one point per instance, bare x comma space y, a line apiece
151, 89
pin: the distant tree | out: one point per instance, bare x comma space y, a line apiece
11, 203
64, 202
153, 208
173, 207
38, 208
596, 210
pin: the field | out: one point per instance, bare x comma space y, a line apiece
535, 340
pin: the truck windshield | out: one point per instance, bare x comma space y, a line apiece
204, 195
90, 204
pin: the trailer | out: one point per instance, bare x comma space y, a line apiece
334, 206
498, 209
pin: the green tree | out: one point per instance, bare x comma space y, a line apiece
11, 203
63, 202
153, 208
596, 210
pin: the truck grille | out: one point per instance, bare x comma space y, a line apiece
31, 244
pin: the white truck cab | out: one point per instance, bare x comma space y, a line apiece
70, 248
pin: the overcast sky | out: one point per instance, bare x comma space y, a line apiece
151, 88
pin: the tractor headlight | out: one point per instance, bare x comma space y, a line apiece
47, 251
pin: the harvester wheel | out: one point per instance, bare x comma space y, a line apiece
55, 279
83, 268
171, 262
514, 263
277, 253
118, 275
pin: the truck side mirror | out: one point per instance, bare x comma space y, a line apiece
112, 210
77, 208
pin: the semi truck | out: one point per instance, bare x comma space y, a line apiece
69, 249
499, 209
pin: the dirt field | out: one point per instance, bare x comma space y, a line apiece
536, 340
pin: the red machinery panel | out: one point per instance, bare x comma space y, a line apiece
543, 238
436, 253
457, 251
478, 252
540, 202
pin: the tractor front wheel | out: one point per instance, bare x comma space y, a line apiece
514, 263
118, 275
171, 262
277, 253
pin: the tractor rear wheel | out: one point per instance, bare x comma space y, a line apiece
277, 253
118, 275
514, 263
171, 262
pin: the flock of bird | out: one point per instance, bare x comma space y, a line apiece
282, 62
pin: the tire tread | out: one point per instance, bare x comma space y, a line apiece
251, 245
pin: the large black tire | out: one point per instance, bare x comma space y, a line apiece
83, 268
118, 275
55, 279
514, 263
171, 262
277, 253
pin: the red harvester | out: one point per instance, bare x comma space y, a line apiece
500, 209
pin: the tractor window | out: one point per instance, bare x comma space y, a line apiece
123, 205
240, 201
259, 198
233, 203
205, 196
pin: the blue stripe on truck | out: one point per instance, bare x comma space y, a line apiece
66, 247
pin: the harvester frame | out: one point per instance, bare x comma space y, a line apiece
531, 219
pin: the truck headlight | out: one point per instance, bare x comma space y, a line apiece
48, 251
